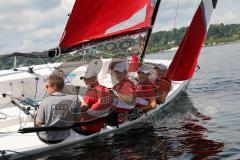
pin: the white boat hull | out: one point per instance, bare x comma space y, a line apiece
15, 145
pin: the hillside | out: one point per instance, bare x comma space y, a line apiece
217, 34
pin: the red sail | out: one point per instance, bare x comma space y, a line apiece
185, 60
94, 19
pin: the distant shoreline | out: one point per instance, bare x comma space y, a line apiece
218, 34
224, 43
205, 46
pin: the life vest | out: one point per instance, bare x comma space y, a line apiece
143, 92
163, 85
124, 89
99, 100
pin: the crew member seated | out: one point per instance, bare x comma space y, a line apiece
124, 95
163, 85
57, 109
124, 87
95, 105
145, 91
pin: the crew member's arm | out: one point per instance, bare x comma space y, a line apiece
40, 118
161, 98
84, 106
152, 104
126, 93
38, 123
128, 98
163, 90
88, 100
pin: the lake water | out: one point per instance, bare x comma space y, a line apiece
203, 124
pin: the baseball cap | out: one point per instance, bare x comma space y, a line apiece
121, 67
89, 73
161, 66
143, 70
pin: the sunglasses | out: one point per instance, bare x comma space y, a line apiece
46, 86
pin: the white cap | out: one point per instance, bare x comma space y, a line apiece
93, 68
121, 67
161, 67
144, 70
89, 73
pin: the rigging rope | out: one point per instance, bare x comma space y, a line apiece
174, 70
19, 119
175, 18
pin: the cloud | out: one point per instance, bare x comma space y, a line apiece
227, 12
18, 5
37, 25
168, 11
29, 25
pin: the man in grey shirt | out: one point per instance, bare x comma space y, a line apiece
57, 109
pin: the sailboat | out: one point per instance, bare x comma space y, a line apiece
103, 29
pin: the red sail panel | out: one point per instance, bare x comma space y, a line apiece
185, 60
94, 19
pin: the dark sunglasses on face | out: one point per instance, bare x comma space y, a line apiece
47, 86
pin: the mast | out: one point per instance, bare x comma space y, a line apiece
150, 29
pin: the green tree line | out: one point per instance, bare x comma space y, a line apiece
217, 34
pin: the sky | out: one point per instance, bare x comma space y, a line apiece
37, 25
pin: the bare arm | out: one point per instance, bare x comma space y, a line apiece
152, 104
38, 123
84, 107
126, 93
40, 117
128, 98
161, 98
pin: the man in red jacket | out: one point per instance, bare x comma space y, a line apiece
145, 91
96, 103
124, 95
